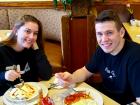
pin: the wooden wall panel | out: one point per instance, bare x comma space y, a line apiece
120, 7
80, 40
136, 9
33, 4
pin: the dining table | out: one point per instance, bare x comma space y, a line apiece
56, 92
133, 31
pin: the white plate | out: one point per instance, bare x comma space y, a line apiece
44, 89
93, 93
10, 101
138, 36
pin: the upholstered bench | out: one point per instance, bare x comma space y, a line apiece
54, 54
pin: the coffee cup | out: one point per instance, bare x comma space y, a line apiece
133, 22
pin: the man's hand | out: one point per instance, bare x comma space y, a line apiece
65, 78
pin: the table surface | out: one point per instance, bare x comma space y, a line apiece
133, 31
55, 92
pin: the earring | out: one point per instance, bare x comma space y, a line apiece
16, 34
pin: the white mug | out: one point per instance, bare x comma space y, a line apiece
133, 22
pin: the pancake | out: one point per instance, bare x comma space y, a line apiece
25, 92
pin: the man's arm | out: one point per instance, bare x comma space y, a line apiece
81, 75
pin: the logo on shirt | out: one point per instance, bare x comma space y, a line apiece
111, 73
26, 68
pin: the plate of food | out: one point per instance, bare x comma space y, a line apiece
83, 96
27, 94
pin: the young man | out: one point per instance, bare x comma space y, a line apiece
117, 59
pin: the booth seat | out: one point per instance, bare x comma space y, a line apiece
52, 32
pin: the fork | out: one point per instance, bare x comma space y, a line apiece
52, 85
21, 80
16, 68
77, 90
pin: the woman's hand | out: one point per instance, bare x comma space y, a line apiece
12, 75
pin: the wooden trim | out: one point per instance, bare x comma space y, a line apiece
29, 4
49, 4
66, 41
91, 35
122, 2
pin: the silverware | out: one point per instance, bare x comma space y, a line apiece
26, 68
77, 90
52, 85
21, 80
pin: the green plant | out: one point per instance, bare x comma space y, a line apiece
64, 2
70, 2
77, 7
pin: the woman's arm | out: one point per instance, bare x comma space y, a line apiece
43, 65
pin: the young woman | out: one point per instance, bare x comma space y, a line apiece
22, 55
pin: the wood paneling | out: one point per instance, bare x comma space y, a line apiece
120, 7
35, 4
66, 41
80, 42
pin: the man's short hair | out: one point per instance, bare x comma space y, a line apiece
109, 15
